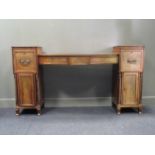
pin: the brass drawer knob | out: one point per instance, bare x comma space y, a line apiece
132, 61
24, 61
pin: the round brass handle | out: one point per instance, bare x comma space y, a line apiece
24, 61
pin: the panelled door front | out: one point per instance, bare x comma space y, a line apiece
130, 88
26, 89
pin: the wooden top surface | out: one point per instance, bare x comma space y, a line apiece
135, 47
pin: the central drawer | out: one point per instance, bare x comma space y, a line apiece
107, 59
53, 60
79, 60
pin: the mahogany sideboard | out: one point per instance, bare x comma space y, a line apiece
128, 62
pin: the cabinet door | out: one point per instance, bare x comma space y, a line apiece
26, 90
130, 88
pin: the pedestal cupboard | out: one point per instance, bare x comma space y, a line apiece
127, 76
27, 78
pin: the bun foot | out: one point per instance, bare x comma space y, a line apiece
38, 113
140, 110
118, 112
17, 112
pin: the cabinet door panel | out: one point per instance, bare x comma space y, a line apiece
26, 89
130, 88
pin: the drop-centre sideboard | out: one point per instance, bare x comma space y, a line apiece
127, 61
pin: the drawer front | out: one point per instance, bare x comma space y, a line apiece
131, 61
104, 60
53, 60
25, 60
79, 60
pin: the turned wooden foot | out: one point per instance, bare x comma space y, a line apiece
39, 111
140, 109
118, 110
17, 112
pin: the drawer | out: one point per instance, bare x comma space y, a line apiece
131, 61
107, 59
79, 60
58, 60
25, 60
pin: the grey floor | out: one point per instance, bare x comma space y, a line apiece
78, 121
